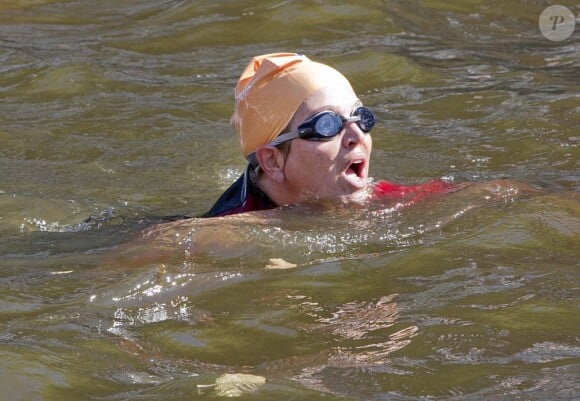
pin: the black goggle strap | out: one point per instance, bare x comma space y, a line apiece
280, 139
252, 160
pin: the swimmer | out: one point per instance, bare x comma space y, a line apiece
307, 138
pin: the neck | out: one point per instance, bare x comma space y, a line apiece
277, 192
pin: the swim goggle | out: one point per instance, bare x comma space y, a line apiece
324, 126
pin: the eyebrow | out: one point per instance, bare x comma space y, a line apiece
356, 105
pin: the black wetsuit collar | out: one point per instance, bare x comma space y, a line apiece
241, 196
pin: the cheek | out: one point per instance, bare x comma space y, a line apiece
322, 161
326, 153
321, 155
311, 165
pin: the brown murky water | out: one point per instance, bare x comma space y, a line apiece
118, 111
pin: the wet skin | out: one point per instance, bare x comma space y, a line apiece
336, 169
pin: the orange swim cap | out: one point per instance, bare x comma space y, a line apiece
269, 92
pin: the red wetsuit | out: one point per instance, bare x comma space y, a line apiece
410, 193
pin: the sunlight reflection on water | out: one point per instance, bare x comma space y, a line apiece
115, 114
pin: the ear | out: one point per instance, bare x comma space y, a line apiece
271, 161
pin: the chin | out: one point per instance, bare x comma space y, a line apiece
360, 196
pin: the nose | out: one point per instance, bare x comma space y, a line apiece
353, 135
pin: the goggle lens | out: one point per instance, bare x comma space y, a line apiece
367, 119
328, 124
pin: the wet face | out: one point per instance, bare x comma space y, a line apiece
336, 169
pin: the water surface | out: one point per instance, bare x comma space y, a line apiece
115, 113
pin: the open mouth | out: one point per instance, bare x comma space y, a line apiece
356, 171
356, 168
